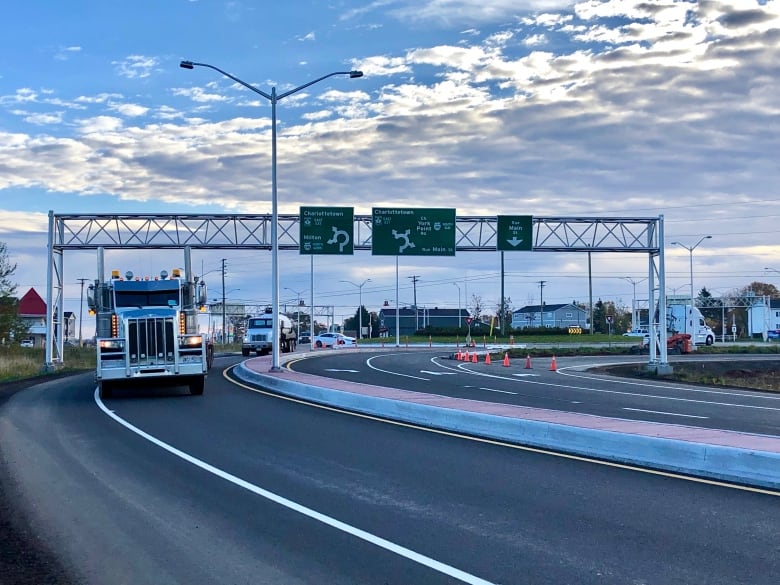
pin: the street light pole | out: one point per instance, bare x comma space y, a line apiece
360, 304
633, 282
460, 319
690, 253
273, 97
81, 308
298, 307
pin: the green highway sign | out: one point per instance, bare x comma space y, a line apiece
514, 232
412, 231
326, 230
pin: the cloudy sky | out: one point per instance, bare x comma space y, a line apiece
616, 108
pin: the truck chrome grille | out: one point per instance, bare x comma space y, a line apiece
151, 341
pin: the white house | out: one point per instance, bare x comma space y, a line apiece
561, 315
763, 319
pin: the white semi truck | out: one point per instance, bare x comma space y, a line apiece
259, 334
687, 319
147, 331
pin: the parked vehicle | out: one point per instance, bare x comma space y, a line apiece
305, 338
27, 343
638, 332
330, 339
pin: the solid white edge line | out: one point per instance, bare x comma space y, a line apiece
666, 413
295, 507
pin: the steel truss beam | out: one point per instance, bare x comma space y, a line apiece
253, 232
473, 233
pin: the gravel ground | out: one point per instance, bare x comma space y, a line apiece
24, 558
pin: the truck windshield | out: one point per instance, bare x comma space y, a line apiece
260, 323
159, 298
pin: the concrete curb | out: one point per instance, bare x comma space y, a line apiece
743, 466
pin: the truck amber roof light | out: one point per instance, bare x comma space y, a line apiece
114, 274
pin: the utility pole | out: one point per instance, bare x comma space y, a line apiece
502, 308
415, 278
224, 313
541, 302
81, 308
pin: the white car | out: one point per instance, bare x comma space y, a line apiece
27, 343
331, 339
638, 332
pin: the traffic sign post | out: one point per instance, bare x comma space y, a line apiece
514, 232
413, 231
326, 230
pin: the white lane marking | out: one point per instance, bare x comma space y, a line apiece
437, 373
295, 507
636, 394
501, 391
373, 367
338, 370
666, 413
566, 371
524, 375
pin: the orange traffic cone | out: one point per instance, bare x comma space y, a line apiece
528, 362
458, 355
466, 356
487, 359
474, 359
553, 365
506, 359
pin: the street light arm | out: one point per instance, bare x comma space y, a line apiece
352, 75
192, 64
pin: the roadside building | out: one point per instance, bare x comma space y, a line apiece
411, 320
560, 315
764, 318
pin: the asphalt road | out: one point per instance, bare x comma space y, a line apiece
570, 388
237, 486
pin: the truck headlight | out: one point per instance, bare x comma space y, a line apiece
112, 343
192, 340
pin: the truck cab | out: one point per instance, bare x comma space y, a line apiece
259, 334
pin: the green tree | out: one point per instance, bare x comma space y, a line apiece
11, 326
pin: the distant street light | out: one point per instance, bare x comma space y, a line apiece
772, 270
633, 282
298, 306
690, 251
460, 318
360, 304
273, 97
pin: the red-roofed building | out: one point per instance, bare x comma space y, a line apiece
32, 310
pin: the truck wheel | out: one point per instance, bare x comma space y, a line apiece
709, 340
197, 385
245, 351
105, 390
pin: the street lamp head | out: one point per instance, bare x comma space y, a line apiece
186, 65
352, 74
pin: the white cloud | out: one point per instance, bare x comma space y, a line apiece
130, 110
136, 66
44, 119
